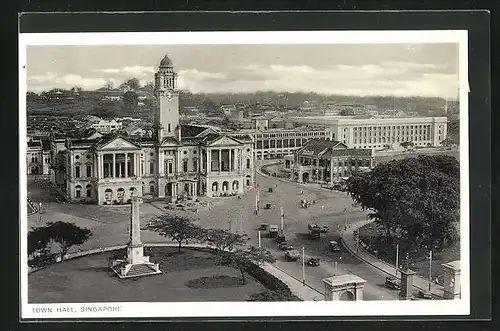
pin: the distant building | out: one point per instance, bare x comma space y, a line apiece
260, 123
380, 133
179, 161
228, 109
107, 126
38, 158
326, 161
276, 143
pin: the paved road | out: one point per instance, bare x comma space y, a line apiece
109, 225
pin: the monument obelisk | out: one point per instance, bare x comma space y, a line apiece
135, 264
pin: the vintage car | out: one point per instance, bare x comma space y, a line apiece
292, 255
263, 226
313, 262
334, 246
280, 238
392, 283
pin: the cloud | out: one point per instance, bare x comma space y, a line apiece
128, 71
52, 80
397, 78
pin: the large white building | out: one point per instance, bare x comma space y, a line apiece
379, 133
180, 160
277, 143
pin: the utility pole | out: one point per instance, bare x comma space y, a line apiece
257, 203
397, 258
303, 267
282, 217
430, 269
259, 238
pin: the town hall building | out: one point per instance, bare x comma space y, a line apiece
179, 160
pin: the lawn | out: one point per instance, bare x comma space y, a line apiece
420, 264
187, 276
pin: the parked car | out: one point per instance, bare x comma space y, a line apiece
313, 262
325, 229
280, 238
292, 255
392, 283
334, 246
273, 231
285, 247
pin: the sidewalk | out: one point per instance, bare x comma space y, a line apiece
305, 293
350, 244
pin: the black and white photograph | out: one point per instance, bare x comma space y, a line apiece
212, 174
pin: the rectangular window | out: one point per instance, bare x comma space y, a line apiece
151, 167
142, 168
77, 193
77, 171
89, 171
195, 165
185, 166
170, 168
169, 127
248, 163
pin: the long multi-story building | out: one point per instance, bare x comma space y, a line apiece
326, 161
380, 133
38, 157
277, 143
179, 160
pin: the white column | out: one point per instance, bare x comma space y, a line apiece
209, 160
114, 165
126, 164
230, 160
220, 160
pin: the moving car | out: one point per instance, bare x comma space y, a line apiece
314, 231
334, 246
392, 283
313, 262
280, 238
292, 255
273, 231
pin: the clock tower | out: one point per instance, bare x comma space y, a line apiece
167, 97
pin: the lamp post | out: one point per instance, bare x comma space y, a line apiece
303, 267
259, 238
282, 216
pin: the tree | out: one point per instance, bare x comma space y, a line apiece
37, 240
272, 296
243, 259
130, 100
179, 228
133, 83
407, 145
66, 235
415, 201
223, 241
347, 112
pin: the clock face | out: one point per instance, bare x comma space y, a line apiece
169, 95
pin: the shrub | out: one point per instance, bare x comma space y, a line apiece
42, 260
129, 201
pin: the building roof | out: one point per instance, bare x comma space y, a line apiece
367, 152
34, 143
166, 62
191, 130
46, 144
317, 146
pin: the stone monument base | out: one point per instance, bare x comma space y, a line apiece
124, 269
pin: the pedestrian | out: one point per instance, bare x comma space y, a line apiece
276, 185
322, 207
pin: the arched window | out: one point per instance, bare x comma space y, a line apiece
215, 187
78, 191
89, 191
248, 179
152, 187
120, 194
195, 164
236, 185
143, 187
133, 191
108, 195
225, 186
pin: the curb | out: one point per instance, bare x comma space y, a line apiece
359, 257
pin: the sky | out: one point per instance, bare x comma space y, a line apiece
429, 70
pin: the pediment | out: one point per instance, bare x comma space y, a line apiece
118, 143
225, 141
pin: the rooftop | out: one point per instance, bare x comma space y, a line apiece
316, 146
